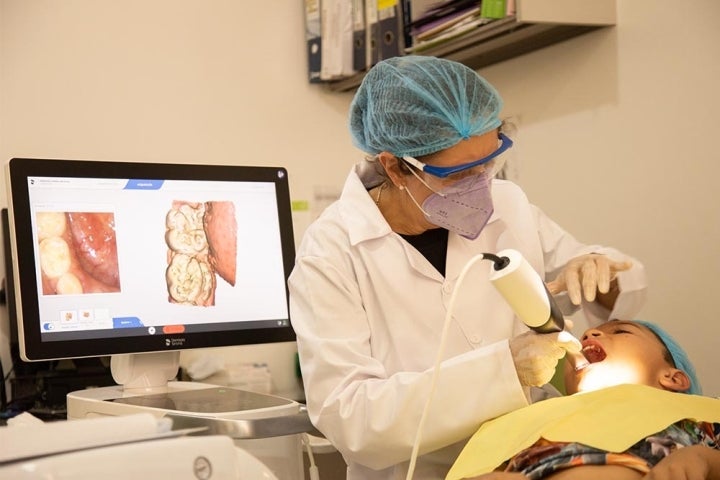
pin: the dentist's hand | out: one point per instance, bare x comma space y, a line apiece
587, 275
536, 355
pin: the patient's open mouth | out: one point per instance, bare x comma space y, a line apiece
593, 351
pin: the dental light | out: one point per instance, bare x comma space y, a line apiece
607, 374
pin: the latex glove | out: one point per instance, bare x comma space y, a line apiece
536, 355
587, 275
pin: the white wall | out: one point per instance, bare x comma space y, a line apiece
615, 137
617, 133
218, 81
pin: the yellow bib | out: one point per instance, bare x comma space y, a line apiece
611, 419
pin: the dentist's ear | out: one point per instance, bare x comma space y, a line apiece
392, 167
674, 380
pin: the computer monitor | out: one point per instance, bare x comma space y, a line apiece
118, 258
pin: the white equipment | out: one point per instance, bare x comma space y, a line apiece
266, 426
120, 448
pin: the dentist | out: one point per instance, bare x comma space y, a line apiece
375, 272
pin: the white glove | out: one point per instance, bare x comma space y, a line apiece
586, 275
536, 355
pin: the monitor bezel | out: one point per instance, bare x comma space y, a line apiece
24, 267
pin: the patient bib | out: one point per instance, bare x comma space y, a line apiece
611, 419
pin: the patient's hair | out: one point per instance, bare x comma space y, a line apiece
675, 355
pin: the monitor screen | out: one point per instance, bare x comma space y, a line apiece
120, 257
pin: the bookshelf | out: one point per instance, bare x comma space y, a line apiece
535, 25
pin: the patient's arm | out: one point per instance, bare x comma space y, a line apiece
697, 462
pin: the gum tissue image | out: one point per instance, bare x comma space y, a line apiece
78, 252
202, 242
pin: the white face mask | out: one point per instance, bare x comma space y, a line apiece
463, 207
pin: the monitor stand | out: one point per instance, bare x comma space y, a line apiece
267, 426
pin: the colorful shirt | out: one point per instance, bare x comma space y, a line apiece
545, 457
591, 419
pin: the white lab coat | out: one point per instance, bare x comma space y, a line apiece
368, 310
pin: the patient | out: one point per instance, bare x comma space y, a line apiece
618, 428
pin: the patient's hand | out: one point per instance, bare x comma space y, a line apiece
697, 462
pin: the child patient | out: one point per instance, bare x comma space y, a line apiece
640, 415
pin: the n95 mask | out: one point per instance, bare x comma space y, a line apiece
463, 207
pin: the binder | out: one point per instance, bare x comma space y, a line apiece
372, 33
406, 10
391, 30
359, 35
313, 39
330, 63
336, 29
436, 27
346, 33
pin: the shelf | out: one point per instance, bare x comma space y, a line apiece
538, 24
492, 43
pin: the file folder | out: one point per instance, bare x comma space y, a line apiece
412, 11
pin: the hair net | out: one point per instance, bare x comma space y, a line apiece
680, 358
417, 105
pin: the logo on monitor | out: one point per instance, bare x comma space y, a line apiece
174, 342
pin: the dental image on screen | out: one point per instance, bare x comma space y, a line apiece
78, 252
140, 257
202, 242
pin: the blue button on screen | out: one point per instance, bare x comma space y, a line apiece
127, 322
136, 184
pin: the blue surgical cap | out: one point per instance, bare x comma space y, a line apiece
680, 358
416, 105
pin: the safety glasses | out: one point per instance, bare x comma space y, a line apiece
444, 172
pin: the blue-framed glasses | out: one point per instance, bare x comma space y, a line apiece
444, 172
